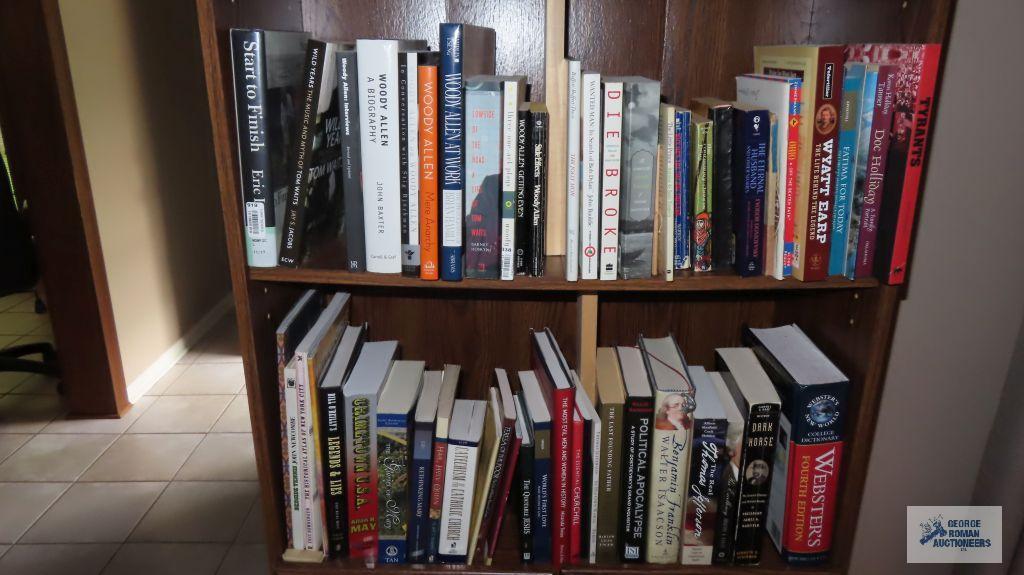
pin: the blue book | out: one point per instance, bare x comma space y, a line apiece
539, 420
846, 163
681, 232
752, 128
420, 472
859, 170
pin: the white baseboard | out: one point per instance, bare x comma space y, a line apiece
152, 374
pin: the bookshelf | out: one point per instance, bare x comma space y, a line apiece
695, 48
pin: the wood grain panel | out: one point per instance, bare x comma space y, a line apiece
276, 15
617, 37
347, 20
836, 21
709, 43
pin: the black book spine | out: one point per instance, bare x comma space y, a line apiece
639, 413
524, 474
723, 237
408, 269
301, 154
333, 456
352, 164
759, 439
538, 196
725, 522
524, 175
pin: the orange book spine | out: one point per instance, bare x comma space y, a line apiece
427, 77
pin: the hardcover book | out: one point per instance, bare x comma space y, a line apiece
483, 176
813, 393
408, 160
513, 96
666, 190
708, 459
313, 204
821, 69
294, 521
751, 139
490, 454
504, 469
362, 391
465, 50
332, 447
671, 439
428, 169
445, 403
782, 97
590, 176
461, 470
611, 399
611, 179
524, 470
589, 492
846, 164
524, 187
351, 160
759, 403
578, 431
539, 188
574, 94
917, 69
421, 470
394, 456
681, 190
638, 416
639, 175
541, 514
723, 236
729, 482
266, 70
702, 137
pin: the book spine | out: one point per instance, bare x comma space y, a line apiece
495, 480
750, 165
846, 165
362, 473
296, 533
812, 264
611, 165
428, 172
306, 456
639, 178
300, 156
351, 158
898, 222
561, 480
333, 453
707, 461
543, 511
722, 230
411, 256
773, 243
527, 501
703, 161
873, 197
437, 483
452, 106
666, 189
725, 525
250, 77
590, 489
509, 163
483, 180
460, 476
419, 511
508, 476
639, 413
681, 191
393, 460
609, 483
524, 185
669, 470
792, 183
759, 439
403, 161
590, 177
378, 106
539, 192
576, 492
572, 173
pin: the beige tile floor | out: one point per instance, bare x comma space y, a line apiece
168, 489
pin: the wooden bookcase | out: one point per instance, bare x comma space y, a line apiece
695, 48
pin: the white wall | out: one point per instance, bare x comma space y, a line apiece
957, 327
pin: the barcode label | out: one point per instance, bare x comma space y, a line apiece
461, 469
508, 230
255, 220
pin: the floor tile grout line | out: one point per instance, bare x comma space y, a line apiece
48, 507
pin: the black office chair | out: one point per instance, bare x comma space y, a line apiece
20, 274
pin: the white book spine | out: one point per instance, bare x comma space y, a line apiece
572, 176
590, 176
378, 118
509, 159
459, 487
413, 116
292, 427
311, 535
595, 481
667, 190
611, 162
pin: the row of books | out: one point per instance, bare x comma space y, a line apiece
660, 462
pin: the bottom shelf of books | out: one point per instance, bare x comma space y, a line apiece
432, 432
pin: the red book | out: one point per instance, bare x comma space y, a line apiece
913, 107
501, 504
576, 491
552, 373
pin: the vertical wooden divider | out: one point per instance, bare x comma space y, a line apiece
555, 97
586, 348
